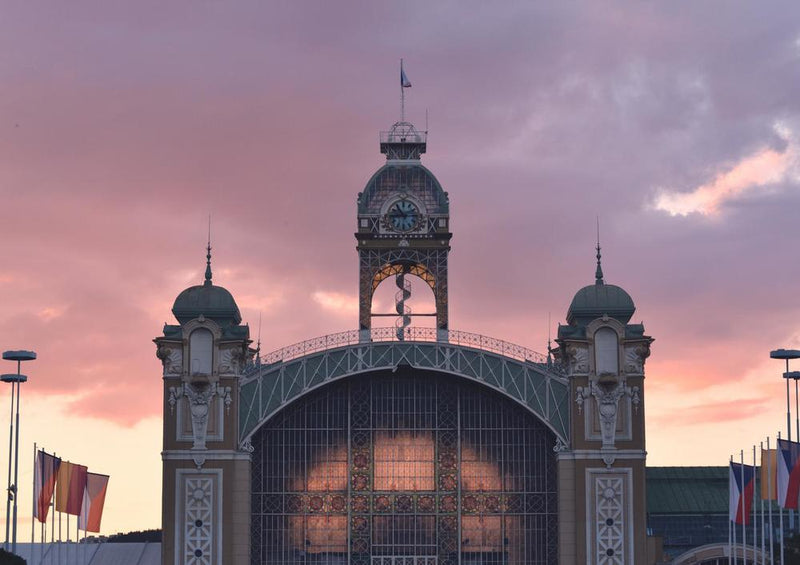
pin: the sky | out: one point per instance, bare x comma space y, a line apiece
124, 125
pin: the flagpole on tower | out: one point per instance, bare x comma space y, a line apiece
402, 94
404, 83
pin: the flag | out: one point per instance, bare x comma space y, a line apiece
788, 473
742, 484
44, 483
404, 82
69, 491
62, 485
769, 475
94, 496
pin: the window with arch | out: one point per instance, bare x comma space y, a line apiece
201, 351
606, 351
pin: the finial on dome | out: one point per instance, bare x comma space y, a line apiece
598, 274
208, 255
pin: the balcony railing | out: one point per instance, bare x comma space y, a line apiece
453, 337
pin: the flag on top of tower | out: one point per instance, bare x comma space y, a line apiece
788, 473
404, 82
742, 482
44, 483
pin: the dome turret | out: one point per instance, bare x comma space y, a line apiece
211, 301
600, 299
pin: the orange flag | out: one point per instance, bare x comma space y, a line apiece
62, 485
94, 496
769, 474
70, 487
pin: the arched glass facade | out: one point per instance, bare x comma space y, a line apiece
404, 468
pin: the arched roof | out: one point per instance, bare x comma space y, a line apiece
535, 385
403, 176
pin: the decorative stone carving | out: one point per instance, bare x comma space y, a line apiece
174, 394
635, 399
171, 359
230, 361
610, 521
580, 397
578, 359
607, 396
247, 446
560, 446
200, 395
635, 356
198, 521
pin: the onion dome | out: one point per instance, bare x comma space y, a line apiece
598, 300
211, 301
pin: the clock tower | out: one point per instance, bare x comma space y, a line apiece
403, 229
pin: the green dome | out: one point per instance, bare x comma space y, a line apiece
213, 302
595, 301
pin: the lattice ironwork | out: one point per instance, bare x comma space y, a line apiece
403, 469
454, 337
375, 265
515, 371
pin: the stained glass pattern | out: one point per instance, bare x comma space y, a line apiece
401, 469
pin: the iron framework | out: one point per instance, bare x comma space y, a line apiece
375, 265
519, 373
402, 469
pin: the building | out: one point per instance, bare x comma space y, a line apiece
404, 445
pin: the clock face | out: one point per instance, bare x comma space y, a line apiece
404, 215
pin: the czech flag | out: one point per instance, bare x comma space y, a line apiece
93, 499
44, 480
788, 473
742, 483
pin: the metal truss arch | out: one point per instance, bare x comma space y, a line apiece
535, 385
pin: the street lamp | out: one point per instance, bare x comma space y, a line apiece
788, 354
16, 379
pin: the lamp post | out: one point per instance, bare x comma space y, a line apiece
16, 379
795, 375
788, 354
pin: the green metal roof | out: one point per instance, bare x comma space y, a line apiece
690, 490
687, 490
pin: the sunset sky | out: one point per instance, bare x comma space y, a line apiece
123, 125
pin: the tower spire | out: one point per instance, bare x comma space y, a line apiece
208, 255
598, 274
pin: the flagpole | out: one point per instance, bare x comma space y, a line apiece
53, 513
761, 446
769, 506
780, 506
402, 95
733, 520
741, 503
755, 514
730, 546
33, 500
